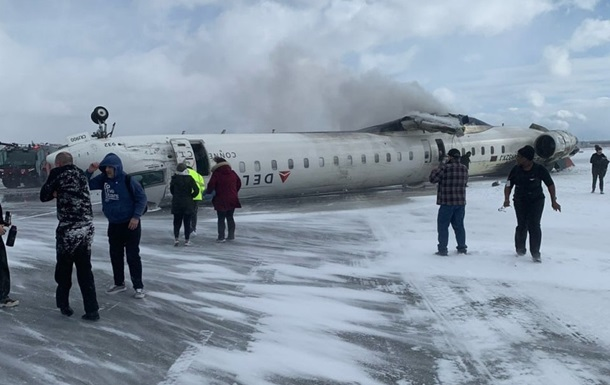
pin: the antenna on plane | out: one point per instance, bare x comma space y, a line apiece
223, 131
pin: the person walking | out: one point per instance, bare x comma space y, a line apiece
74, 234
5, 275
465, 160
599, 166
451, 177
123, 203
198, 178
225, 184
527, 178
184, 189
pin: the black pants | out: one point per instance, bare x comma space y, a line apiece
529, 214
5, 276
178, 220
125, 242
601, 174
228, 215
81, 258
194, 216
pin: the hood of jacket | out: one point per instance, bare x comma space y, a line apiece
114, 161
220, 167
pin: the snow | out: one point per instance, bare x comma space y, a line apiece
340, 291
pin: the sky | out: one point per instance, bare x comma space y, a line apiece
203, 66
335, 290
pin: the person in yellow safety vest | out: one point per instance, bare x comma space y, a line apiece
201, 184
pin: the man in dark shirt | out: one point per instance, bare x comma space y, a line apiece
451, 197
528, 176
599, 166
74, 235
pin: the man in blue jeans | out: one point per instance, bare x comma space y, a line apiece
123, 203
452, 177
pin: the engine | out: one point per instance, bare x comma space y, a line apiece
555, 145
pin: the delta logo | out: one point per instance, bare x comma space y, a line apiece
284, 175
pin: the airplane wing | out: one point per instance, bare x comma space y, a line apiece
420, 121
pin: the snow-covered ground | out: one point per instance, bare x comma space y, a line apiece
343, 290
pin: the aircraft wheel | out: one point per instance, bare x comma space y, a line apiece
99, 115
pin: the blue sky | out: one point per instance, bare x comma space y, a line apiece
201, 66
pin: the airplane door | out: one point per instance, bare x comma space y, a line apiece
183, 151
427, 151
441, 149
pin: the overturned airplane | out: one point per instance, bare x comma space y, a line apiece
400, 152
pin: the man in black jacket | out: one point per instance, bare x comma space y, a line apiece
74, 234
599, 166
5, 277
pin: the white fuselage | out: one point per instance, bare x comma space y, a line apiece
287, 164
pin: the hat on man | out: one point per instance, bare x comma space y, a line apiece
527, 152
181, 167
454, 153
597, 147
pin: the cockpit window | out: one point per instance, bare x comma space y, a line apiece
150, 178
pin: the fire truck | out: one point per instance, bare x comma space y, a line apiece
24, 164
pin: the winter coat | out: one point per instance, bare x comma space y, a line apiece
68, 184
226, 183
73, 199
118, 203
184, 189
200, 183
599, 162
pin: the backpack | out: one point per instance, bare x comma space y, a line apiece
131, 192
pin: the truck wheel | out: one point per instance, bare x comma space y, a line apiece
10, 183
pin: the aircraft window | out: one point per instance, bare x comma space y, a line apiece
150, 178
388, 157
426, 155
321, 161
274, 164
399, 156
472, 151
257, 166
491, 150
350, 161
363, 158
503, 149
482, 150
290, 164
336, 160
376, 158
306, 162
242, 167
410, 155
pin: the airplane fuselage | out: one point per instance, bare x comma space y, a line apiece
288, 164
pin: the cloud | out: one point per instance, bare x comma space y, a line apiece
566, 115
558, 60
202, 65
591, 33
535, 98
588, 5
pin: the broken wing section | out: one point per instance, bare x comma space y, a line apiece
452, 124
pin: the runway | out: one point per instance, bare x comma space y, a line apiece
331, 290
